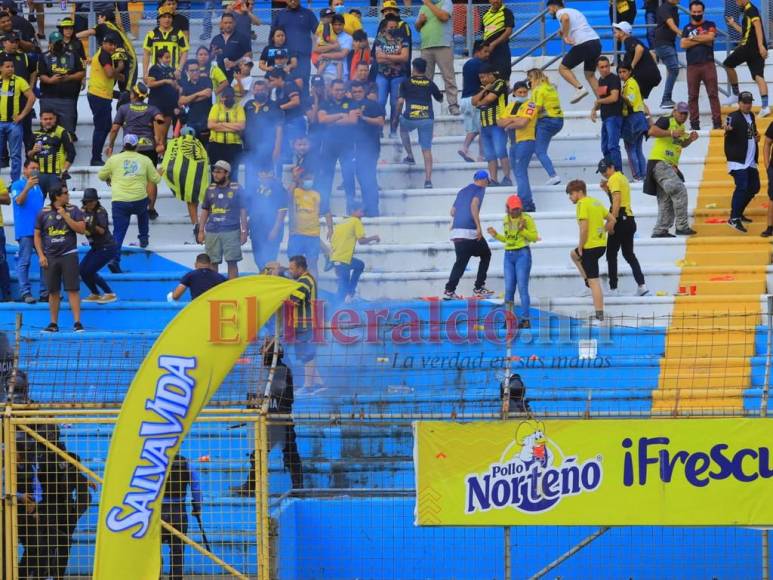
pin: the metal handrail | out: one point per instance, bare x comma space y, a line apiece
537, 46
523, 28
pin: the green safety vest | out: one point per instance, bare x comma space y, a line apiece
667, 149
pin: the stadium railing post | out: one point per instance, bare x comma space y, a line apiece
261, 497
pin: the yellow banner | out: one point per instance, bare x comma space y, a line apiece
619, 472
178, 377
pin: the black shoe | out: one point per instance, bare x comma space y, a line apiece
52, 327
144, 243
96, 163
686, 232
492, 183
409, 160
768, 232
663, 235
243, 490
114, 267
716, 126
78, 327
196, 233
152, 214
43, 298
695, 126
746, 220
506, 182
737, 225
524, 323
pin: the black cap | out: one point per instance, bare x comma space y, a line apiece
11, 36
487, 69
521, 85
90, 194
317, 80
745, 97
112, 38
9, 5
604, 164
326, 12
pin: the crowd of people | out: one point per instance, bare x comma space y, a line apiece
324, 98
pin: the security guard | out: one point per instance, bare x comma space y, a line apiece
53, 150
61, 73
181, 477
165, 35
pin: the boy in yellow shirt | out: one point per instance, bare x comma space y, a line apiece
304, 217
635, 125
594, 222
345, 237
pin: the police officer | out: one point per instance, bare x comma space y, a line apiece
61, 73
264, 133
181, 477
53, 150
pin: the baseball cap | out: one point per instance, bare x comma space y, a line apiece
90, 194
222, 165
481, 174
389, 4
55, 36
325, 12
130, 139
166, 10
188, 131
514, 202
745, 97
604, 164
66, 22
624, 27
11, 36
141, 89
111, 37
681, 107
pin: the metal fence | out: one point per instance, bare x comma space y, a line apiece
329, 490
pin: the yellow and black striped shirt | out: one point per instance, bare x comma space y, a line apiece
173, 40
11, 91
56, 148
304, 307
222, 114
493, 111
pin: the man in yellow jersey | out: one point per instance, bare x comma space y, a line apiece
621, 237
304, 321
226, 122
663, 177
491, 102
753, 50
165, 35
104, 74
522, 117
594, 222
53, 150
497, 26
346, 236
13, 112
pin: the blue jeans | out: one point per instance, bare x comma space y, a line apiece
517, 271
5, 274
667, 55
365, 165
122, 215
388, 87
23, 259
335, 152
91, 264
611, 130
747, 185
494, 140
102, 111
348, 276
635, 127
13, 135
651, 18
293, 129
520, 156
547, 128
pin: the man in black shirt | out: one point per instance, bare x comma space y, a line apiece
335, 115
698, 42
56, 229
415, 101
638, 58
610, 103
287, 96
741, 152
199, 280
61, 73
263, 134
666, 32
196, 99
753, 50
19, 24
229, 47
370, 117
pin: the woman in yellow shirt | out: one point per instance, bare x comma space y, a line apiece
550, 119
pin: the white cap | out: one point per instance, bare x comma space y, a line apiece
624, 27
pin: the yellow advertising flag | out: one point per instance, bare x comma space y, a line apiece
680, 472
182, 371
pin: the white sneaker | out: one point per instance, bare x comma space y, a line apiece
580, 94
764, 112
585, 293
730, 101
612, 292
642, 291
555, 180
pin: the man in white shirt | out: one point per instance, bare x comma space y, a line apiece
585, 43
741, 151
